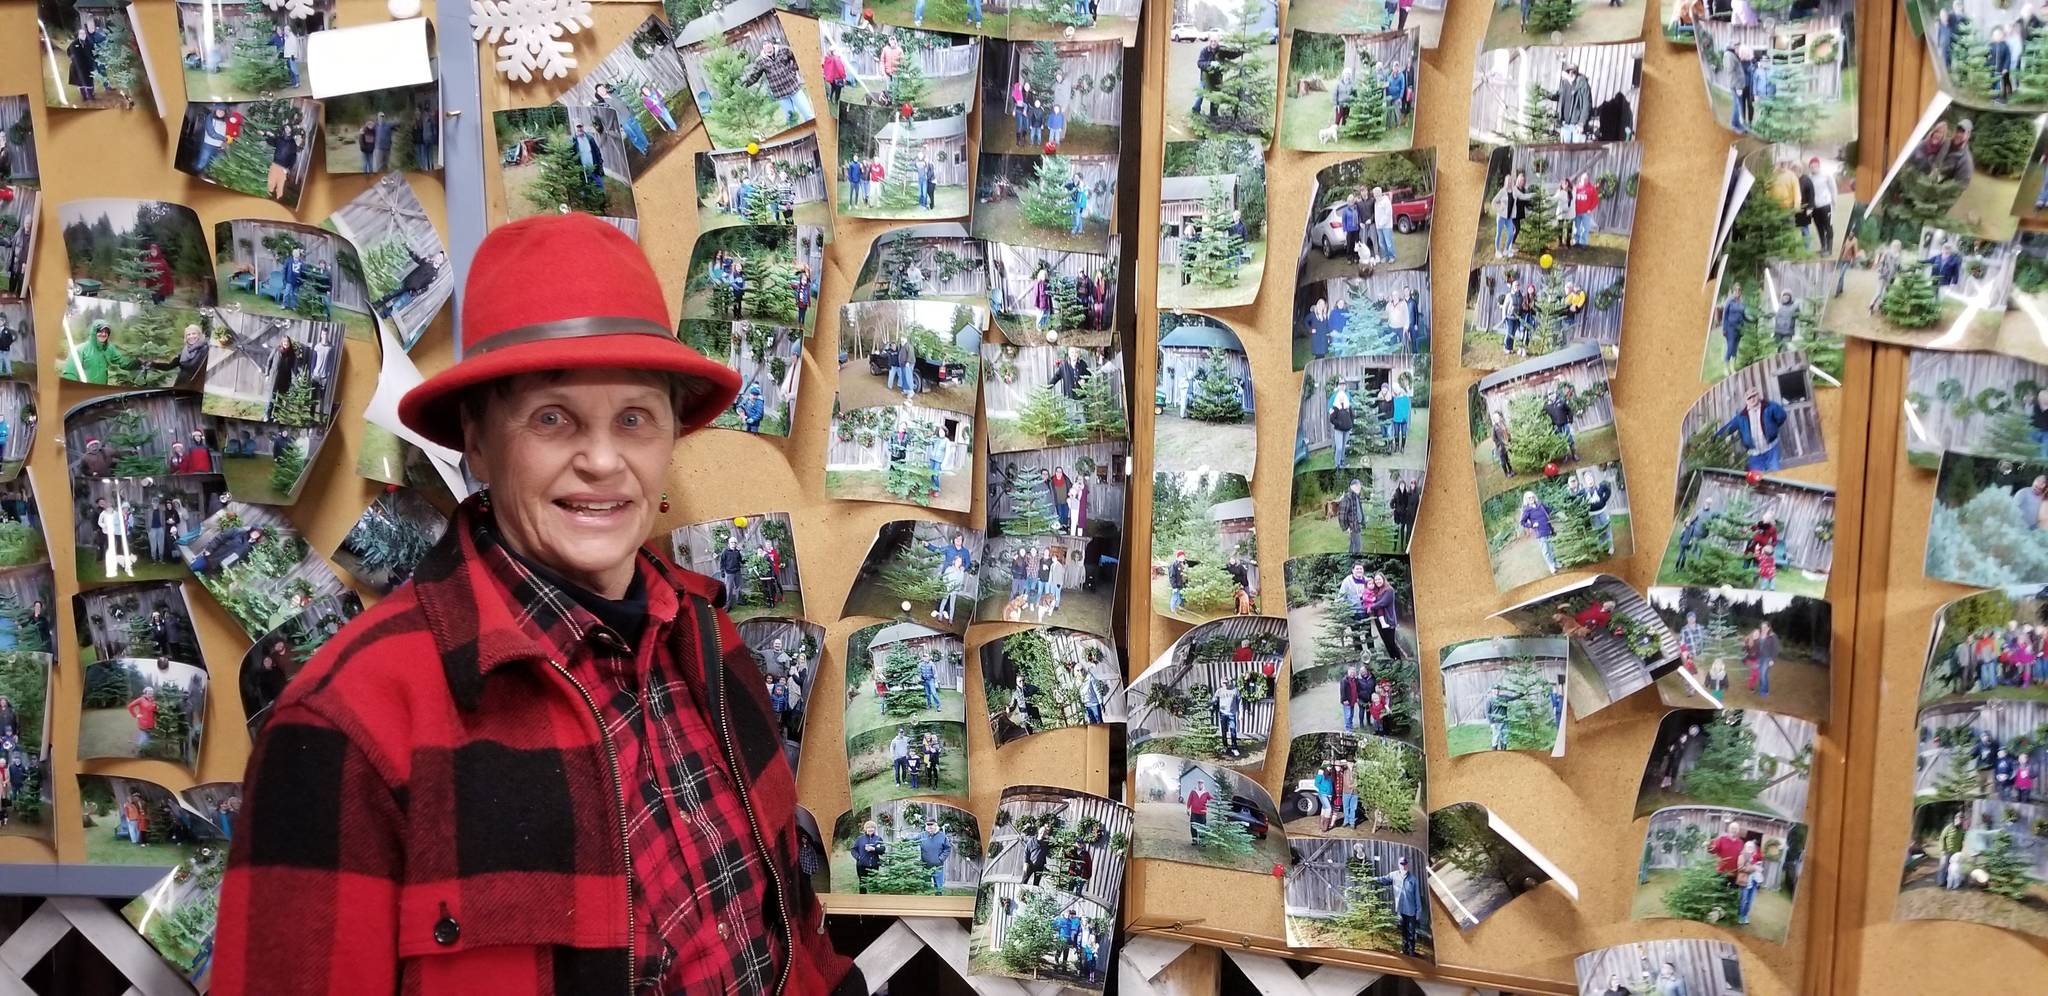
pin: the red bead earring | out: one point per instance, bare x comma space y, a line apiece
664, 501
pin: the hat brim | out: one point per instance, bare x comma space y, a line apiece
432, 409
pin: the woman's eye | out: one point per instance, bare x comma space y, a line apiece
550, 418
633, 420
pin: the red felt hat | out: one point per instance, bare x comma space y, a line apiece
563, 292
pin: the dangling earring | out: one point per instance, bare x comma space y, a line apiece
483, 500
664, 501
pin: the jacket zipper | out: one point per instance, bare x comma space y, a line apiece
611, 750
747, 806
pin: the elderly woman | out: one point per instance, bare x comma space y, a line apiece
548, 764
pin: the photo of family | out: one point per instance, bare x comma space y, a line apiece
919, 570
1514, 311
379, 131
907, 849
555, 157
643, 81
1053, 96
389, 539
1817, 188
929, 351
1761, 418
1986, 527
900, 673
1774, 647
133, 821
1351, 92
1962, 171
898, 166
1731, 867
1570, 203
1988, 646
1982, 404
1039, 396
767, 273
1048, 678
1058, 580
1069, 491
1210, 696
1352, 619
1934, 290
144, 434
1985, 749
1212, 215
18, 164
1367, 412
27, 796
1050, 887
1783, 314
1540, 418
1205, 546
261, 570
92, 56
903, 453
143, 620
769, 360
1045, 296
1383, 313
1692, 967
1741, 758
17, 341
1365, 894
143, 707
1784, 80
1504, 693
1567, 94
752, 556
18, 217
1979, 861
22, 537
262, 148
1619, 644
1367, 214
148, 252
1060, 201
930, 262
907, 760
883, 66
1761, 533
1426, 16
238, 51
283, 371
1228, 821
27, 615
781, 183
1204, 415
743, 73
1368, 510
131, 526
1226, 53
1478, 864
1354, 786
123, 343
403, 261
787, 651
1040, 934
284, 270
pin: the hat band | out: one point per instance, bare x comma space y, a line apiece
570, 328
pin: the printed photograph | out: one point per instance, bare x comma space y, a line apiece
28, 611
901, 166
1354, 786
1816, 187
27, 798
907, 849
1039, 396
1540, 418
1747, 649
1561, 23
1226, 53
1503, 693
1364, 412
1385, 313
142, 620
404, 263
1046, 909
92, 58
880, 65
1070, 491
1042, 20
1982, 53
1982, 404
1962, 170
1351, 92
178, 915
927, 350
18, 341
124, 343
1921, 283
1047, 296
18, 418
900, 673
1740, 758
141, 434
1731, 867
1579, 518
988, 18
283, 371
1426, 16
1365, 894
1770, 535
1619, 644
1478, 864
131, 821
1062, 580
1979, 861
1064, 201
1027, 932
1760, 418
148, 252
1048, 678
271, 269
1368, 213
380, 131
1368, 510
1204, 415
239, 51
1575, 204
19, 212
389, 539
1211, 695
1694, 967
1784, 80
555, 157
766, 273
769, 360
1986, 749
131, 526
643, 81
1986, 527
262, 148
261, 570
753, 556
18, 164
1784, 314
787, 651
1353, 620
22, 537
2024, 327
907, 760
141, 707
783, 183
906, 454
1048, 97
266, 463
1989, 646
1514, 311
1565, 94
1227, 819
1205, 547
934, 261
1212, 216
742, 72
913, 572
268, 665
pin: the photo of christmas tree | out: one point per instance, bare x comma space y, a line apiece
1047, 905
1027, 932
263, 572
643, 80
1204, 417
1354, 786
178, 915
905, 454
1738, 530
908, 573
1988, 646
1565, 203
1368, 215
143, 620
1374, 315
1352, 619
1063, 20
262, 148
284, 371
1987, 526
1364, 510
922, 352
149, 252
27, 611
1545, 416
1368, 411
267, 463
1205, 547
878, 65
1772, 648
1212, 217
1567, 94
92, 56
1514, 311
1978, 860
1351, 92
1038, 396
1784, 81
1201, 814
1226, 53
1046, 296
1693, 967
141, 434
906, 848
1478, 864
903, 673
555, 157
1984, 54
389, 539
1049, 678
18, 420
934, 262
1361, 894
19, 210
18, 341
18, 165
377, 131
2023, 330
1812, 190
1619, 644
1056, 201
143, 707
901, 166
740, 68
28, 799
125, 343
753, 556
769, 360
1210, 696
133, 821
1774, 320
1987, 749
1762, 417
1053, 97
1076, 492
907, 760
232, 50
1734, 868
1742, 758
1962, 171
1563, 22
1063, 580
129, 527
766, 273
781, 183
787, 651
22, 539
1503, 693
404, 263
1930, 289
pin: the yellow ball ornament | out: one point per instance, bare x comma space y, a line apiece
1544, 261
740, 522
753, 148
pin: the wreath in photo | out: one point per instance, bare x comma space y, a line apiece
1083, 85
1109, 81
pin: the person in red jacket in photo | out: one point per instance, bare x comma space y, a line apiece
549, 765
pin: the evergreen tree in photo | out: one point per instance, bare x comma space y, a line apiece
1048, 200
1532, 723
167, 740
1762, 233
1048, 416
1969, 71
1067, 314
1702, 893
26, 636
140, 644
1365, 333
256, 66
151, 339
2002, 143
1910, 301
1243, 97
1915, 199
245, 166
1202, 738
1532, 441
910, 476
1102, 408
1790, 111
903, 872
286, 468
1031, 511
1724, 637
1754, 340
106, 685
1215, 398
739, 112
2030, 84
1958, 779
909, 85
1031, 936
2008, 870
1218, 252
1540, 231
906, 689
133, 441
1368, 908
1367, 119
131, 272
1223, 837
562, 180
1725, 774
1387, 782
383, 542
1551, 308
1546, 16
900, 183
1577, 543
295, 408
1041, 70
1538, 120
1209, 587
1719, 559
119, 60
913, 574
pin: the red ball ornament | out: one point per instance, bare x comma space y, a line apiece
390, 489
6, 195
1755, 476
868, 14
906, 109
1279, 870
1551, 469
1051, 148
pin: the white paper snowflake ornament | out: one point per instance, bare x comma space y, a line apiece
292, 8
528, 34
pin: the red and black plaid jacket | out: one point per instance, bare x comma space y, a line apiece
423, 829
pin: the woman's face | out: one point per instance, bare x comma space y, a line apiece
575, 466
